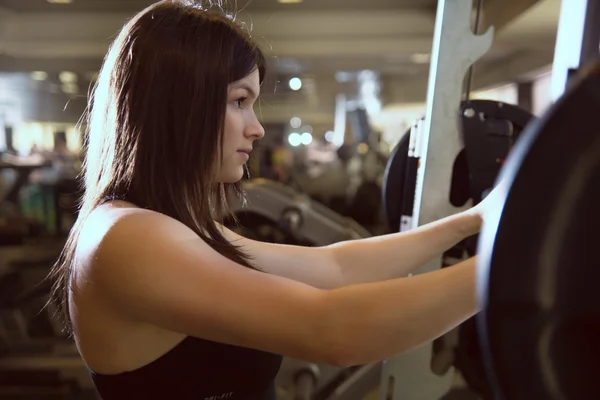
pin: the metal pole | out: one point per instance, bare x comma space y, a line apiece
472, 67
577, 41
455, 48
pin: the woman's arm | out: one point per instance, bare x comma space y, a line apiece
153, 270
364, 260
378, 320
399, 254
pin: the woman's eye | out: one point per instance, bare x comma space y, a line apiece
239, 102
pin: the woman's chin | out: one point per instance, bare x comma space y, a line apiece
231, 177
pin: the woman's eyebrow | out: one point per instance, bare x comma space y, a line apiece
246, 87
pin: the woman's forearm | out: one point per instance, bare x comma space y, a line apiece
379, 320
398, 254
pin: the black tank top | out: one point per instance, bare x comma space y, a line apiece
197, 369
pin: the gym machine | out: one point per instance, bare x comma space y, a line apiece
277, 213
539, 328
433, 165
489, 129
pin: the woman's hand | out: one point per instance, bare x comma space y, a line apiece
493, 202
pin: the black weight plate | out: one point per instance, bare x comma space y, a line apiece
490, 132
395, 172
393, 183
366, 204
538, 266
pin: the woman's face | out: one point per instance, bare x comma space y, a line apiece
241, 128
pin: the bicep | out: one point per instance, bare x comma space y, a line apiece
177, 282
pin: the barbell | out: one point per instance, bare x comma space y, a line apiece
538, 267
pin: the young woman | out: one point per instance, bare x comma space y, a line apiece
162, 300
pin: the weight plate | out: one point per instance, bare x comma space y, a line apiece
393, 183
490, 128
538, 267
483, 125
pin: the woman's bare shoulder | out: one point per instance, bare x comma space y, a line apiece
117, 225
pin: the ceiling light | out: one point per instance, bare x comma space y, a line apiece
289, 1
329, 136
295, 83
294, 139
420, 58
67, 77
59, 1
39, 75
306, 138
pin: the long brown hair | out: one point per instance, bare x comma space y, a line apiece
154, 123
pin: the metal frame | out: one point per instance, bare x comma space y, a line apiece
439, 144
577, 41
410, 375
359, 384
